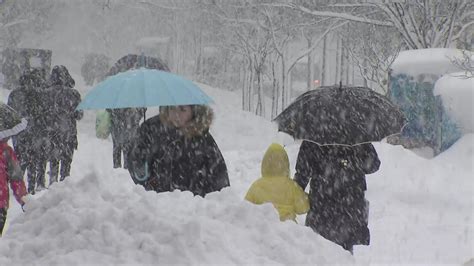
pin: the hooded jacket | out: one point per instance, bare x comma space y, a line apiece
276, 187
187, 159
60, 101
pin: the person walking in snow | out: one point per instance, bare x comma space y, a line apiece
26, 99
174, 150
61, 100
338, 208
276, 187
10, 174
124, 125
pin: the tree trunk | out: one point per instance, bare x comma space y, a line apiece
283, 84
310, 74
347, 66
342, 68
258, 109
353, 75
250, 88
364, 65
338, 62
275, 93
324, 63
289, 85
244, 88
200, 62
176, 43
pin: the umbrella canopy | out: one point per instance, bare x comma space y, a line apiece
10, 122
144, 88
341, 115
134, 61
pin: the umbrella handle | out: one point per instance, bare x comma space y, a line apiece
145, 176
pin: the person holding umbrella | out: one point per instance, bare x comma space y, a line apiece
339, 210
337, 125
173, 150
10, 171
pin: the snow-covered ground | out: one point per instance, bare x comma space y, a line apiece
421, 210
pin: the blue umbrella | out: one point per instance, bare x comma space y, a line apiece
144, 88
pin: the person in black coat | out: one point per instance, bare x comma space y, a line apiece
338, 208
176, 151
26, 99
61, 100
124, 125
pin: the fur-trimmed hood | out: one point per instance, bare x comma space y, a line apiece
199, 124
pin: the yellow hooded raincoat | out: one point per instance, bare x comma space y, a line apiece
275, 185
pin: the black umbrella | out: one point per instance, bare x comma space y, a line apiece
10, 122
341, 115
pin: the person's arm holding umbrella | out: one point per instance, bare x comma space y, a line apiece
78, 114
218, 177
144, 148
303, 165
368, 157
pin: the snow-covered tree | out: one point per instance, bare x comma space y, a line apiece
421, 24
372, 50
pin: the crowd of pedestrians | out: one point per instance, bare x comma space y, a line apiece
175, 151
49, 105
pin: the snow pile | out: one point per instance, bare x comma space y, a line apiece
457, 93
89, 220
422, 209
436, 61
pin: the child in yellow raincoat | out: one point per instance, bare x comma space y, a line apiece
277, 187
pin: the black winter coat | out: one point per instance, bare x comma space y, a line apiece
61, 102
338, 209
27, 100
20, 100
175, 162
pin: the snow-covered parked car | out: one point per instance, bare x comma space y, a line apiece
430, 121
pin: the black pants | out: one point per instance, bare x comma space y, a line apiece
118, 149
40, 174
31, 177
28, 166
3, 219
61, 165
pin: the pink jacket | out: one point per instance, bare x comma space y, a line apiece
10, 172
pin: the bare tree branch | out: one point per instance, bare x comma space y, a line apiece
336, 15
